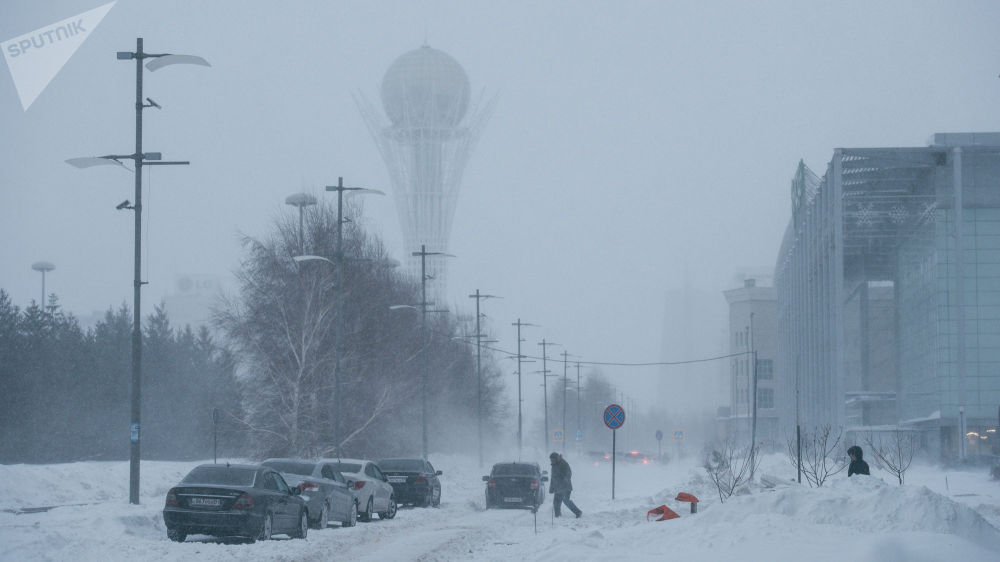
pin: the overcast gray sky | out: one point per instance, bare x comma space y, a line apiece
634, 144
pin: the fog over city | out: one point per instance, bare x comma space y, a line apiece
634, 160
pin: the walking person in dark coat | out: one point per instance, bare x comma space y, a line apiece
561, 485
858, 464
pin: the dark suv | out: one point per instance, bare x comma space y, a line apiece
515, 484
413, 481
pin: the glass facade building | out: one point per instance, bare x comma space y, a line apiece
888, 287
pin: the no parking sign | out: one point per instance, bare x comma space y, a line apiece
614, 418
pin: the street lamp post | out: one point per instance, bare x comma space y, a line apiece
479, 371
140, 159
44, 267
301, 200
340, 189
423, 253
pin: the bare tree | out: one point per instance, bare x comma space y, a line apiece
282, 330
893, 452
729, 466
821, 454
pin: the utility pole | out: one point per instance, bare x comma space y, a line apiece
578, 404
520, 432
545, 387
479, 371
423, 253
753, 428
565, 354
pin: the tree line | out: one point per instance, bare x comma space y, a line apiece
66, 390
266, 364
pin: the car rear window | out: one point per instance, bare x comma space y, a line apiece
345, 467
292, 467
413, 465
222, 475
514, 470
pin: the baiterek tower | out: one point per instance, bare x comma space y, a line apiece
425, 138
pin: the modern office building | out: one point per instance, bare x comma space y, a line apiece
753, 335
425, 139
888, 291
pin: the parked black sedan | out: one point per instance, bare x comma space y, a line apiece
227, 500
413, 481
515, 484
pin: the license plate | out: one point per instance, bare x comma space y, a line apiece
205, 502
513, 500
397, 479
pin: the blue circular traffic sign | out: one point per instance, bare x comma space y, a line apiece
614, 416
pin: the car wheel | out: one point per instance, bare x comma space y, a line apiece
390, 511
427, 500
488, 503
303, 528
265, 528
176, 535
352, 516
437, 499
367, 515
324, 517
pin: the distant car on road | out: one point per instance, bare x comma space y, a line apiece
638, 457
371, 487
225, 500
413, 480
325, 491
515, 484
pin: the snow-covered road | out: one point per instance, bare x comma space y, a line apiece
858, 519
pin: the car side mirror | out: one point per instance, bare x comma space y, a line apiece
295, 490
544, 472
350, 484
486, 478
384, 479
438, 473
545, 478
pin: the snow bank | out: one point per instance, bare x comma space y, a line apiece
863, 519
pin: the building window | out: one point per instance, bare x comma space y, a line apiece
765, 397
765, 369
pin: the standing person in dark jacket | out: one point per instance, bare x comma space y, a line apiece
561, 485
858, 464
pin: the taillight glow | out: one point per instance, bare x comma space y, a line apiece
308, 486
359, 484
421, 480
491, 483
172, 497
245, 501
534, 484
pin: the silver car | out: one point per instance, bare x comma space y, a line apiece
328, 494
371, 487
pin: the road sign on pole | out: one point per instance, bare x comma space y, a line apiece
614, 418
558, 436
678, 435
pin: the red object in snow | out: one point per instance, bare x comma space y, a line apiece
663, 512
686, 497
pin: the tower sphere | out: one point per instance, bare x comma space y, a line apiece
425, 88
